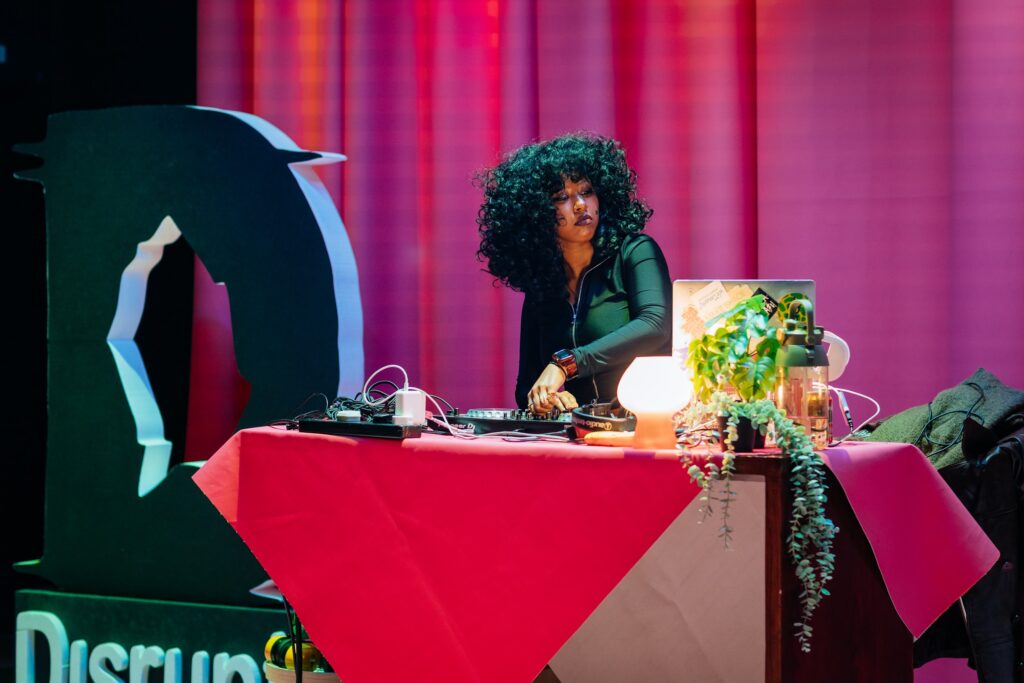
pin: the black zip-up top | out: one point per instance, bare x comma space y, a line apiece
623, 310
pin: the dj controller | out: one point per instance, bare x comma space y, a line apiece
488, 420
479, 421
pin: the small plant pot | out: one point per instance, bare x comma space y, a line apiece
747, 438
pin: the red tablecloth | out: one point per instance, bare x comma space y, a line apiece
437, 559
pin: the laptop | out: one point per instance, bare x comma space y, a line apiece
698, 304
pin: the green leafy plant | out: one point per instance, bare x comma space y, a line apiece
740, 353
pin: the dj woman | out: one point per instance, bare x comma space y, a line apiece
561, 222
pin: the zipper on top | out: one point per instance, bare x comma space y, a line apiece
575, 310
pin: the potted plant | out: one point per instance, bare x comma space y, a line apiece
741, 354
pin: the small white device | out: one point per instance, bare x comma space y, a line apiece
410, 407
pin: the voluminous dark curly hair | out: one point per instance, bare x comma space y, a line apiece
517, 219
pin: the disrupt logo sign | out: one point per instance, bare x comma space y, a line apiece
111, 662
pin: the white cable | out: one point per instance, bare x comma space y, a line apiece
366, 386
515, 436
444, 418
878, 409
440, 411
494, 435
525, 436
441, 414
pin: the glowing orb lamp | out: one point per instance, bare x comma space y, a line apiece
654, 388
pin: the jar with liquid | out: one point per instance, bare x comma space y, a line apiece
803, 393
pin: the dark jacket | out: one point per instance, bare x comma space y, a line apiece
623, 310
990, 484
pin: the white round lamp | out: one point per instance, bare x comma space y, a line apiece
654, 388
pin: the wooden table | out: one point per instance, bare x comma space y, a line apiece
858, 636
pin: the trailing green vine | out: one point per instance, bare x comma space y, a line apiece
706, 478
811, 533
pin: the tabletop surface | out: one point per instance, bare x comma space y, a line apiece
446, 559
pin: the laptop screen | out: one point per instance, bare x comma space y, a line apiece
698, 304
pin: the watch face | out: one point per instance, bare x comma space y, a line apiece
566, 360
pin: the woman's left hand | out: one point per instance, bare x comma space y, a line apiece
545, 396
560, 402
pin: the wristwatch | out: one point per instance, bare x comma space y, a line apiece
565, 359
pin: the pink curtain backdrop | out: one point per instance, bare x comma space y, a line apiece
875, 147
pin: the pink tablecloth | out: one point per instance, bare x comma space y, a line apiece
928, 549
438, 559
